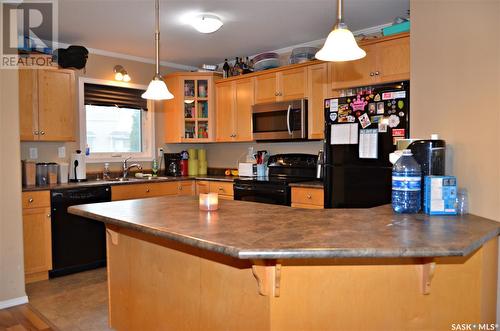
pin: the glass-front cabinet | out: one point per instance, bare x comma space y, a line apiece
190, 116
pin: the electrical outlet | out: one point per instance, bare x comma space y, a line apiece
61, 152
33, 153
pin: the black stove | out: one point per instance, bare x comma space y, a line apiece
274, 189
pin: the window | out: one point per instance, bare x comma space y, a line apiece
115, 121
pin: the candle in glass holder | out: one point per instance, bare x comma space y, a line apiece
209, 201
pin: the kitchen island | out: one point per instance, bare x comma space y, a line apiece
252, 266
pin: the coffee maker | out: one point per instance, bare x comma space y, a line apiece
430, 154
172, 164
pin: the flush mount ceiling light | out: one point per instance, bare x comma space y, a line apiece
206, 23
157, 89
340, 44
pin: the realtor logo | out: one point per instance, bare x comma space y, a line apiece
29, 31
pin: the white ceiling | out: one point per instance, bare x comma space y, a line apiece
250, 27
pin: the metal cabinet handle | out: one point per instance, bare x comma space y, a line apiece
221, 189
288, 119
36, 133
42, 132
377, 73
147, 190
30, 200
309, 196
48, 215
280, 94
180, 188
372, 74
275, 94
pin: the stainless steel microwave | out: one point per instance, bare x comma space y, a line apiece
284, 120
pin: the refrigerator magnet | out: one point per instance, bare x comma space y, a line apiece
333, 117
398, 132
382, 127
376, 119
380, 107
401, 104
364, 120
372, 107
393, 121
376, 97
358, 104
334, 105
396, 139
387, 96
399, 95
401, 114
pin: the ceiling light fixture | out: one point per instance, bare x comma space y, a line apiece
157, 89
121, 74
207, 23
340, 44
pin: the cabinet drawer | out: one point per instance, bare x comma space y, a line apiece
146, 190
36, 199
202, 186
307, 196
223, 188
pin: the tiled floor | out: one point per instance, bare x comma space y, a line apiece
77, 302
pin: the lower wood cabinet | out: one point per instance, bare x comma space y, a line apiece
37, 237
149, 190
224, 189
202, 186
306, 197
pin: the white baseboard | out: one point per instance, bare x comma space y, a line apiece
13, 302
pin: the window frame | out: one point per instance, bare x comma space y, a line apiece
147, 125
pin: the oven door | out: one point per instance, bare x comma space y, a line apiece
271, 194
285, 120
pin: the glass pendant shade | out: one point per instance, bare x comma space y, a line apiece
340, 46
157, 90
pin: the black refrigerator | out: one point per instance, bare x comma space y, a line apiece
361, 130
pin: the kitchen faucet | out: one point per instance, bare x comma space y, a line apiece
126, 167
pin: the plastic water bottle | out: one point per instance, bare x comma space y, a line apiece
406, 184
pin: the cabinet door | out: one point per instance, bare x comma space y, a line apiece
304, 197
224, 189
172, 111
393, 60
185, 187
224, 112
354, 73
202, 186
28, 104
37, 240
266, 88
317, 91
56, 105
244, 99
292, 84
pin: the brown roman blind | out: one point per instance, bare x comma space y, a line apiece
122, 97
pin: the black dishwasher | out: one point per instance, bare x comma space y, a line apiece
78, 243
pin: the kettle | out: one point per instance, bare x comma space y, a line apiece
319, 164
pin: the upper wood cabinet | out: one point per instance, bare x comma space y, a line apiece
190, 116
317, 92
47, 105
387, 60
234, 100
287, 84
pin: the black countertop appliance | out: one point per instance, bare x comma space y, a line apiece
274, 189
172, 164
360, 133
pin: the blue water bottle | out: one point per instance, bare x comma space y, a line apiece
406, 184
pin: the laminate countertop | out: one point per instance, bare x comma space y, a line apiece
131, 181
249, 230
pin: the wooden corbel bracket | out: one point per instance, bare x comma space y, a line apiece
113, 234
427, 269
268, 276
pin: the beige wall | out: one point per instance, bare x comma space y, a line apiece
98, 67
11, 235
455, 91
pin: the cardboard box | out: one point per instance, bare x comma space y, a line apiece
440, 195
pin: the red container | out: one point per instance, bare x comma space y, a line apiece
184, 167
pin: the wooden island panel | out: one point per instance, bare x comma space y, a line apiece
157, 284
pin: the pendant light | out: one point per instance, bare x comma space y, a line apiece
157, 89
340, 44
